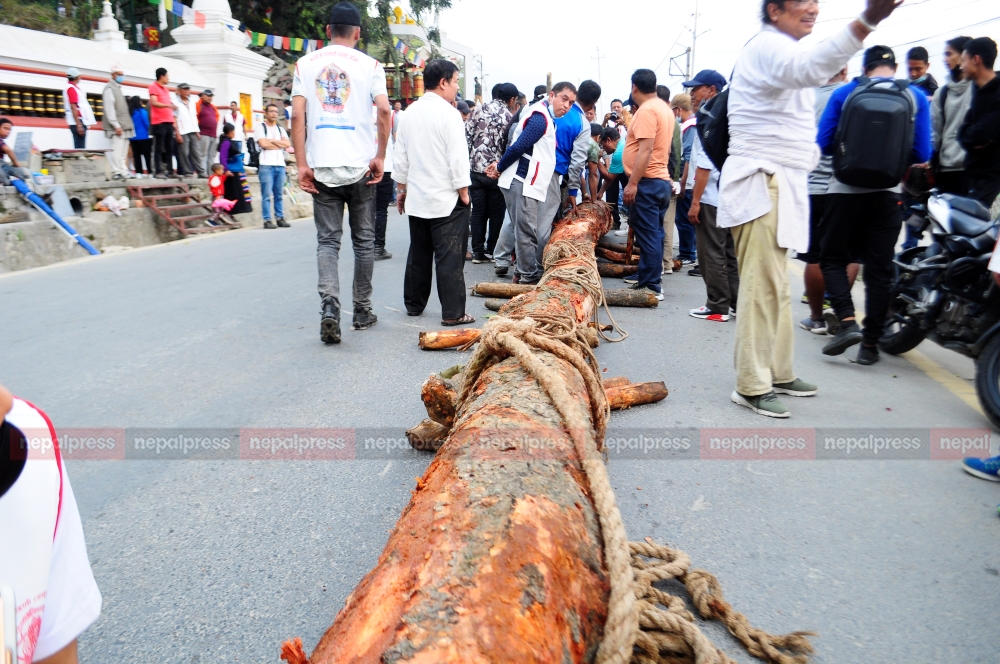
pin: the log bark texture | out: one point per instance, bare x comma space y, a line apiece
630, 245
498, 557
617, 381
615, 270
614, 298
613, 256
442, 339
499, 289
637, 394
428, 436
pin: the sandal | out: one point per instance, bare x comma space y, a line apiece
464, 320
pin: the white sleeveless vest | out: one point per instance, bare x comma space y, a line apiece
542, 162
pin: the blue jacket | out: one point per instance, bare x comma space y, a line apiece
140, 118
827, 133
568, 127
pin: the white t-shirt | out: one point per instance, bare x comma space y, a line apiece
270, 157
43, 556
235, 119
339, 85
699, 159
186, 114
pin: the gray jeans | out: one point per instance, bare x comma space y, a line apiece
208, 148
505, 245
717, 260
189, 155
328, 210
532, 225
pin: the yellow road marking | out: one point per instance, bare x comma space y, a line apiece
957, 386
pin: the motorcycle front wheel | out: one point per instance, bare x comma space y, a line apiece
900, 337
988, 380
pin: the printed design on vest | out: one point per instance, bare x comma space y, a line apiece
333, 87
29, 627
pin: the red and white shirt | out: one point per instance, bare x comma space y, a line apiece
43, 556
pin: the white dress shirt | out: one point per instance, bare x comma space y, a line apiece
772, 128
187, 115
431, 157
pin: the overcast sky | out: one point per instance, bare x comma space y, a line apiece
521, 40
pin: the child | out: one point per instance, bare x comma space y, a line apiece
217, 182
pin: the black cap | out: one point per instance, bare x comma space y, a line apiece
463, 107
183, 86
208, 93
877, 56
345, 13
509, 91
541, 90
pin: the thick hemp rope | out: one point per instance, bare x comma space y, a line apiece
636, 630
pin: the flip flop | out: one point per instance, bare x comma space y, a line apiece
464, 320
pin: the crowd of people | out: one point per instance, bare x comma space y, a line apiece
799, 174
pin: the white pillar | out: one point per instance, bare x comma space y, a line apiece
107, 31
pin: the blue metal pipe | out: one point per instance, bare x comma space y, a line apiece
37, 201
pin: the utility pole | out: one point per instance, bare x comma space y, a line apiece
694, 39
599, 58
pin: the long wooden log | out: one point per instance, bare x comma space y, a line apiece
437, 340
614, 298
615, 270
498, 557
607, 243
626, 396
617, 381
500, 289
613, 256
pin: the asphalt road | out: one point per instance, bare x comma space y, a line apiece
221, 560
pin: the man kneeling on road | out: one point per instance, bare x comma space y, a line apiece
860, 221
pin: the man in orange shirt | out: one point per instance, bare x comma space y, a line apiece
646, 155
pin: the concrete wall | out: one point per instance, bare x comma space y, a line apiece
39, 241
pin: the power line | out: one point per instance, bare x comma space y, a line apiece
683, 30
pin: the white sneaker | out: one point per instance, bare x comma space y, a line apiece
630, 280
667, 270
732, 312
622, 232
705, 313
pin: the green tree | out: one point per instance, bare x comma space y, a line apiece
308, 18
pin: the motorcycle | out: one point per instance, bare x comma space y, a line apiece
945, 292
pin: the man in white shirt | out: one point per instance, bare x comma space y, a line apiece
340, 159
189, 155
272, 140
43, 555
431, 170
716, 252
763, 188
235, 118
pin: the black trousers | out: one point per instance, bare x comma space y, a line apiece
611, 197
487, 206
383, 198
142, 154
163, 147
984, 189
951, 182
438, 246
860, 228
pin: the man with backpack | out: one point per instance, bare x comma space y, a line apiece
863, 215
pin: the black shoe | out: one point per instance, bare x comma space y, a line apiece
501, 271
694, 272
268, 224
479, 257
867, 355
282, 223
329, 325
363, 318
382, 255
848, 335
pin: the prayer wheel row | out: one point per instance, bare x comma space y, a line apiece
41, 103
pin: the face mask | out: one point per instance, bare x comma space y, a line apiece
119, 79
920, 80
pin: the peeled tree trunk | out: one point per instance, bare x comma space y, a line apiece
499, 556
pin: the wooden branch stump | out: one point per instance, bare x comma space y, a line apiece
438, 340
626, 396
428, 436
499, 556
440, 396
613, 256
616, 270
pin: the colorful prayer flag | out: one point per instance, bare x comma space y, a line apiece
178, 8
261, 39
169, 4
296, 44
188, 14
199, 19
399, 44
286, 43
269, 40
154, 2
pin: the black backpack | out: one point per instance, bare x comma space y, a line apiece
253, 151
874, 143
713, 128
